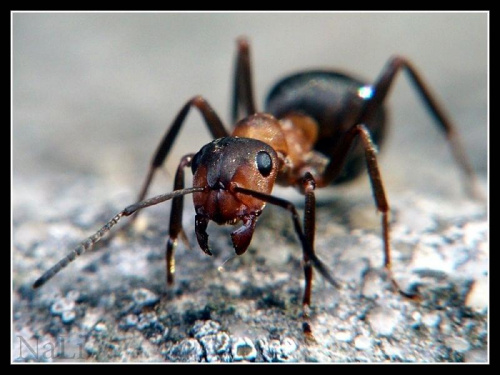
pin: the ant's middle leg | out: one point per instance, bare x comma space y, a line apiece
308, 187
212, 121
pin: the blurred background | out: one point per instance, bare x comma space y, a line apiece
93, 93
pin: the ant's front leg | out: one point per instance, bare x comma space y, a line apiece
306, 237
175, 228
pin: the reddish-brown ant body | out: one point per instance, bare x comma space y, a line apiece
307, 138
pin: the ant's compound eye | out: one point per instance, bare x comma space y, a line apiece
264, 163
195, 162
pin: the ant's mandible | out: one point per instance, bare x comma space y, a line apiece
308, 138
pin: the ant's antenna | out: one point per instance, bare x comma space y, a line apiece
92, 240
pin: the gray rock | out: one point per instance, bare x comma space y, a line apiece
143, 297
188, 350
285, 350
243, 349
203, 328
217, 347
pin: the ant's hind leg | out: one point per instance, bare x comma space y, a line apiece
379, 92
243, 95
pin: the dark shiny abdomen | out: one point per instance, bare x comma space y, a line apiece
333, 100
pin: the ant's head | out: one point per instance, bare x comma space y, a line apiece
228, 162
221, 167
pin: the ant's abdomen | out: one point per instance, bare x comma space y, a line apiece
334, 100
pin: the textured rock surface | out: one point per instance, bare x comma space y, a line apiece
113, 305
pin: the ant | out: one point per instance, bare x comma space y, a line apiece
319, 128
